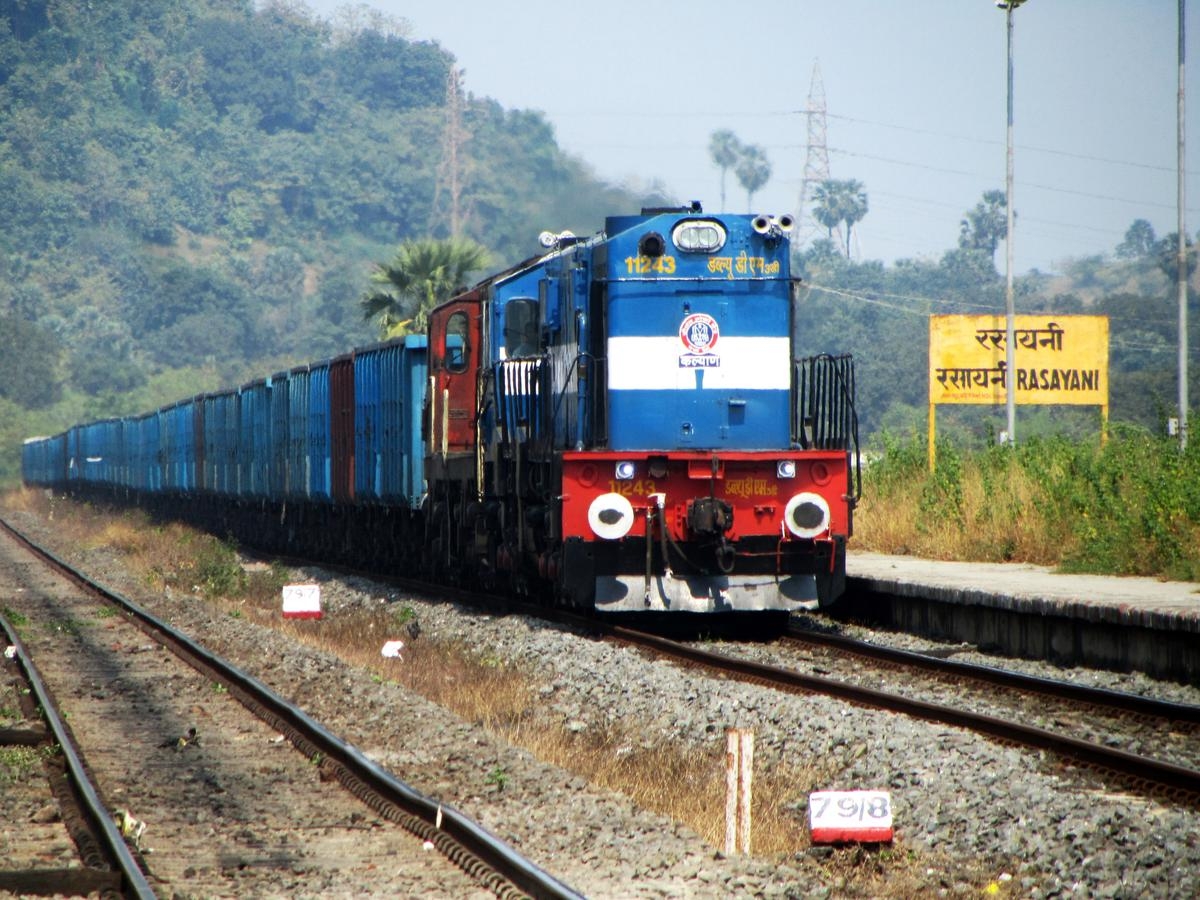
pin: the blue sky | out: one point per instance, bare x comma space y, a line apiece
915, 96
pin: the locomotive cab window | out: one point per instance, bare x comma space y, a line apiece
521, 328
454, 353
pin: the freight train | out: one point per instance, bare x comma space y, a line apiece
619, 423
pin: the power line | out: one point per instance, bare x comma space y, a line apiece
1024, 219
707, 114
1118, 342
1043, 187
994, 143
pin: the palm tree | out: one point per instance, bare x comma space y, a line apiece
424, 273
985, 226
839, 202
825, 210
725, 148
753, 171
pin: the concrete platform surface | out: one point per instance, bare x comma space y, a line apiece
1028, 589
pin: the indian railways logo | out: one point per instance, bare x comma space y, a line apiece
699, 334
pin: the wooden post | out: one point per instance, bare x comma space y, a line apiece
731, 790
739, 781
747, 779
932, 436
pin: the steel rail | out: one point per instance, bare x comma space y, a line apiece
439, 823
1177, 780
110, 843
1101, 697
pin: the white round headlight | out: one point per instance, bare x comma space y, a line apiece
625, 470
610, 516
806, 515
786, 468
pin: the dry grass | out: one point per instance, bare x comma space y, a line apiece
27, 500
998, 520
684, 783
885, 524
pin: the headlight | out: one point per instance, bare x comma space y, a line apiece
610, 516
786, 468
806, 515
626, 470
699, 236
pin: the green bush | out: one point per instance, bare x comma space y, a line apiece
1126, 506
219, 572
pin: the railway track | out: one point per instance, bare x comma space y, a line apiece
979, 799
1095, 700
1180, 783
103, 862
1137, 771
227, 808
1112, 702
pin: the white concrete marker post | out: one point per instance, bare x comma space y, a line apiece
302, 601
863, 817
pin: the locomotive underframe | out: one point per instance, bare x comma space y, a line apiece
626, 576
511, 535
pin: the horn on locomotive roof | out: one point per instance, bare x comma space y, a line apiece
786, 222
761, 224
549, 239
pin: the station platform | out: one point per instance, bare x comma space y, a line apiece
1123, 623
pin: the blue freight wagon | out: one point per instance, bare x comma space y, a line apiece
279, 475
389, 380
254, 440
318, 450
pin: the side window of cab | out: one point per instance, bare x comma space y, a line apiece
454, 353
521, 328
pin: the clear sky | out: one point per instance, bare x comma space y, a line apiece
915, 95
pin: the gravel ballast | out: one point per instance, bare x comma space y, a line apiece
1038, 829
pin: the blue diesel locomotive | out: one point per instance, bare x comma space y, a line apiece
620, 423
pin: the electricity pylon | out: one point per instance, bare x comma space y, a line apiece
816, 161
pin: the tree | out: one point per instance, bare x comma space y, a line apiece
1166, 254
825, 211
28, 362
388, 73
753, 171
424, 273
181, 181
725, 149
1139, 241
840, 203
985, 226
966, 270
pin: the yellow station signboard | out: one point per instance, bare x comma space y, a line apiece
1057, 359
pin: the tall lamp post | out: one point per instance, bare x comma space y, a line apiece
1181, 248
1010, 338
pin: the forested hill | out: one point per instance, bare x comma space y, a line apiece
195, 192
192, 190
